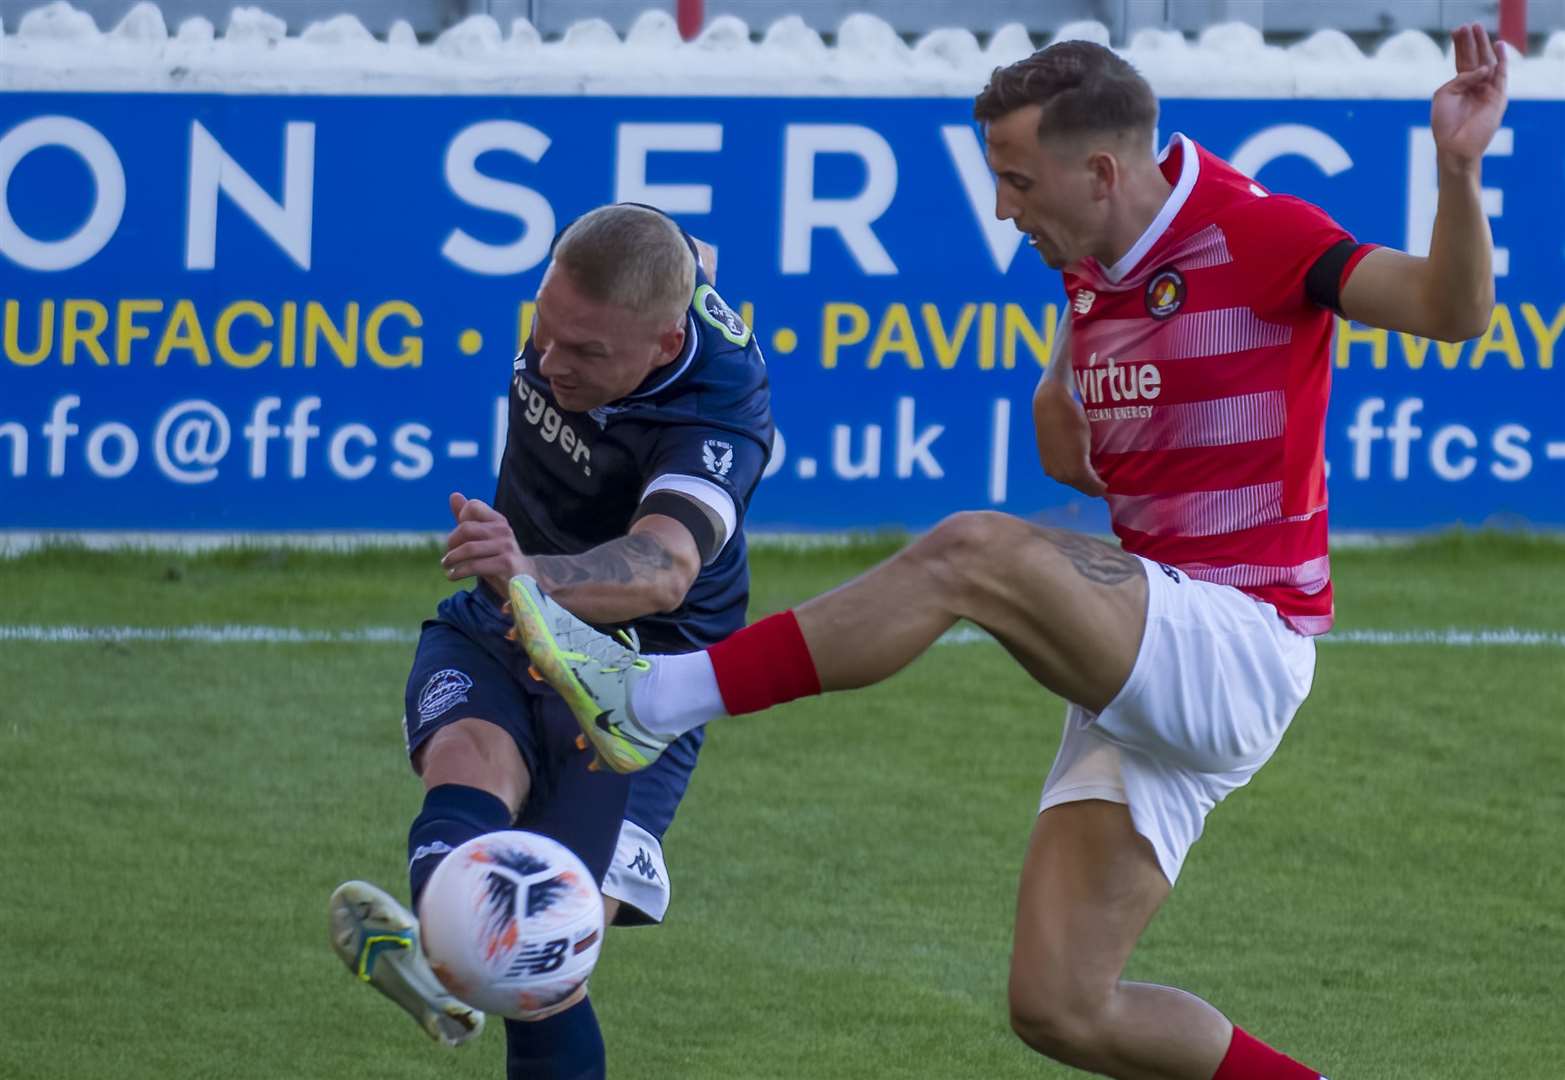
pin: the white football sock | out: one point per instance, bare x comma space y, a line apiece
679, 693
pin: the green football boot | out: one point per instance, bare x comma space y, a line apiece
377, 938
592, 671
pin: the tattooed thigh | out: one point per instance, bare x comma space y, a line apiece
1096, 560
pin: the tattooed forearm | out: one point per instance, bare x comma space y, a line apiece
626, 561
1095, 560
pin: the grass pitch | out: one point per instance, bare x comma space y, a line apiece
1385, 900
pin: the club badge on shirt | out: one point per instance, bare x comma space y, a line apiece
1165, 293
719, 315
717, 456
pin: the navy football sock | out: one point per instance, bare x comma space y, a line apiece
453, 814
566, 1046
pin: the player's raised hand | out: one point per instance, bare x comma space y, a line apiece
1467, 110
481, 545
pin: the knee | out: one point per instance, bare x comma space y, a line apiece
475, 753
956, 549
1057, 1024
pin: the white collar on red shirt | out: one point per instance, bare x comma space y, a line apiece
1189, 170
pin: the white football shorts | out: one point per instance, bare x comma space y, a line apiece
638, 877
1216, 682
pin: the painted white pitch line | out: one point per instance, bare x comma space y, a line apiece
1451, 636
391, 635
18, 542
210, 635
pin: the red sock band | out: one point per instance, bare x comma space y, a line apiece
765, 664
1250, 1059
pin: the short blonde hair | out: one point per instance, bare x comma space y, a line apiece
632, 257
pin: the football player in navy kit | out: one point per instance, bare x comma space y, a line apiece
640, 424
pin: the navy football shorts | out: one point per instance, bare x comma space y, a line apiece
464, 667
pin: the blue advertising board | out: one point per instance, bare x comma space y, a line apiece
257, 312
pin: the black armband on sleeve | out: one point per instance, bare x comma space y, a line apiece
1323, 284
705, 527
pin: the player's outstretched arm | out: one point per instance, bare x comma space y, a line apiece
649, 569
1449, 294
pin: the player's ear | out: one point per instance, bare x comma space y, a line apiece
671, 342
1103, 171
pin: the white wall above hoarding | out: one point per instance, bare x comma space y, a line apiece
57, 47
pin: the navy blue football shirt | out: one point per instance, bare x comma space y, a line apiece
700, 426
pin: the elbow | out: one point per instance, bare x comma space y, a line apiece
672, 588
1469, 323
1482, 317
1463, 317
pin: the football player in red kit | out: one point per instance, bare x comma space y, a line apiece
1189, 390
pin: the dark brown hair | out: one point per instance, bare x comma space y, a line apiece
1083, 88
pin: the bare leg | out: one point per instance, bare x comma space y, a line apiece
475, 753
1089, 887
1071, 609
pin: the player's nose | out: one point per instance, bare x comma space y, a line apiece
549, 363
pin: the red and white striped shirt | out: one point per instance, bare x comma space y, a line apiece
1204, 369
